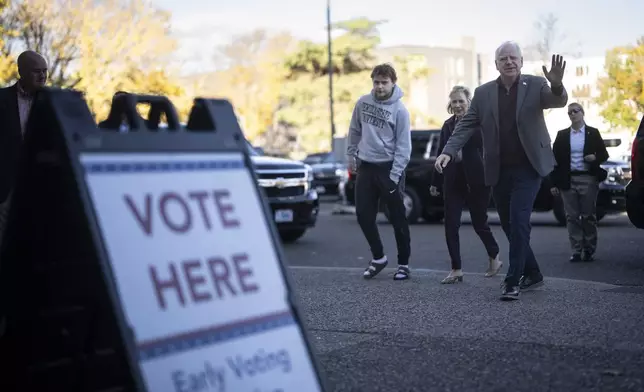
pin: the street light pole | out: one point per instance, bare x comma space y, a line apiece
330, 72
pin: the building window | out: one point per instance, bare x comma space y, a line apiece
460, 67
450, 66
579, 71
582, 91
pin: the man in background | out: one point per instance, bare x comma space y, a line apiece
15, 105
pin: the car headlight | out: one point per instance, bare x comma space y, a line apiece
339, 172
309, 173
613, 174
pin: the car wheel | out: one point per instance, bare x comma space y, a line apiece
291, 235
411, 201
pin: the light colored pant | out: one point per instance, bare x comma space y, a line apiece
580, 203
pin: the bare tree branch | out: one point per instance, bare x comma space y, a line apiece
549, 39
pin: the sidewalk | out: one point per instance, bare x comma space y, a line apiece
419, 335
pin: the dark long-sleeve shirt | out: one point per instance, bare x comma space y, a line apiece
511, 149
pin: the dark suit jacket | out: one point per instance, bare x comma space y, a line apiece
472, 158
593, 144
10, 139
533, 96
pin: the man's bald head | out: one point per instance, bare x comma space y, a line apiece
32, 68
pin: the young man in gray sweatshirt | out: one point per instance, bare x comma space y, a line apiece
379, 150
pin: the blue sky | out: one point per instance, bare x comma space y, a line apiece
597, 24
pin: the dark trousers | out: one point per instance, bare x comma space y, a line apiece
457, 194
514, 197
372, 186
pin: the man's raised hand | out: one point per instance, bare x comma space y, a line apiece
556, 73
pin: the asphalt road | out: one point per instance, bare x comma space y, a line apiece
583, 331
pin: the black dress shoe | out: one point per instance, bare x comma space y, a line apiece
509, 293
575, 258
530, 282
588, 256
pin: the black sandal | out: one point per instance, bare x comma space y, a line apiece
402, 273
374, 269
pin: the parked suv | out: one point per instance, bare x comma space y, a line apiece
635, 188
287, 186
328, 173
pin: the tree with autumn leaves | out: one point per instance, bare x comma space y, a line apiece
95, 47
622, 89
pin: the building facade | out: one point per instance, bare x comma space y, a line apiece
447, 67
581, 81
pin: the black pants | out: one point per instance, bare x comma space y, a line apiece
457, 195
372, 185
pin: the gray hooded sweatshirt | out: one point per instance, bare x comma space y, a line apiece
380, 132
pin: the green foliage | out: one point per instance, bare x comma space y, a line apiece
622, 90
96, 47
306, 107
305, 94
351, 52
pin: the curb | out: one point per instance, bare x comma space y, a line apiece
342, 209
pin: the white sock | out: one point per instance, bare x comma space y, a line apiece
400, 274
380, 261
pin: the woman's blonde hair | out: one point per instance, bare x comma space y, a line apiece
458, 89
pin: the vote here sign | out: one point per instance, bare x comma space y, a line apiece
197, 273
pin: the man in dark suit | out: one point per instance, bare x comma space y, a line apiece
516, 149
579, 151
15, 105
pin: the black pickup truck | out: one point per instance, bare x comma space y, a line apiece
420, 204
286, 184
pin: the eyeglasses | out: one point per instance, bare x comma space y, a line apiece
574, 111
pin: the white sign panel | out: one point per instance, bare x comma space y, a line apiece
197, 273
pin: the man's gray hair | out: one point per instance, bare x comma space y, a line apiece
508, 43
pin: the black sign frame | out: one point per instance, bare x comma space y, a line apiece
68, 256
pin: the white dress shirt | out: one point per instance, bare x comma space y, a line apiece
577, 141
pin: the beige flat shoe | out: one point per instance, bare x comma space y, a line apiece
494, 267
453, 278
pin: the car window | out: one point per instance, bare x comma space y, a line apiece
431, 149
312, 160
